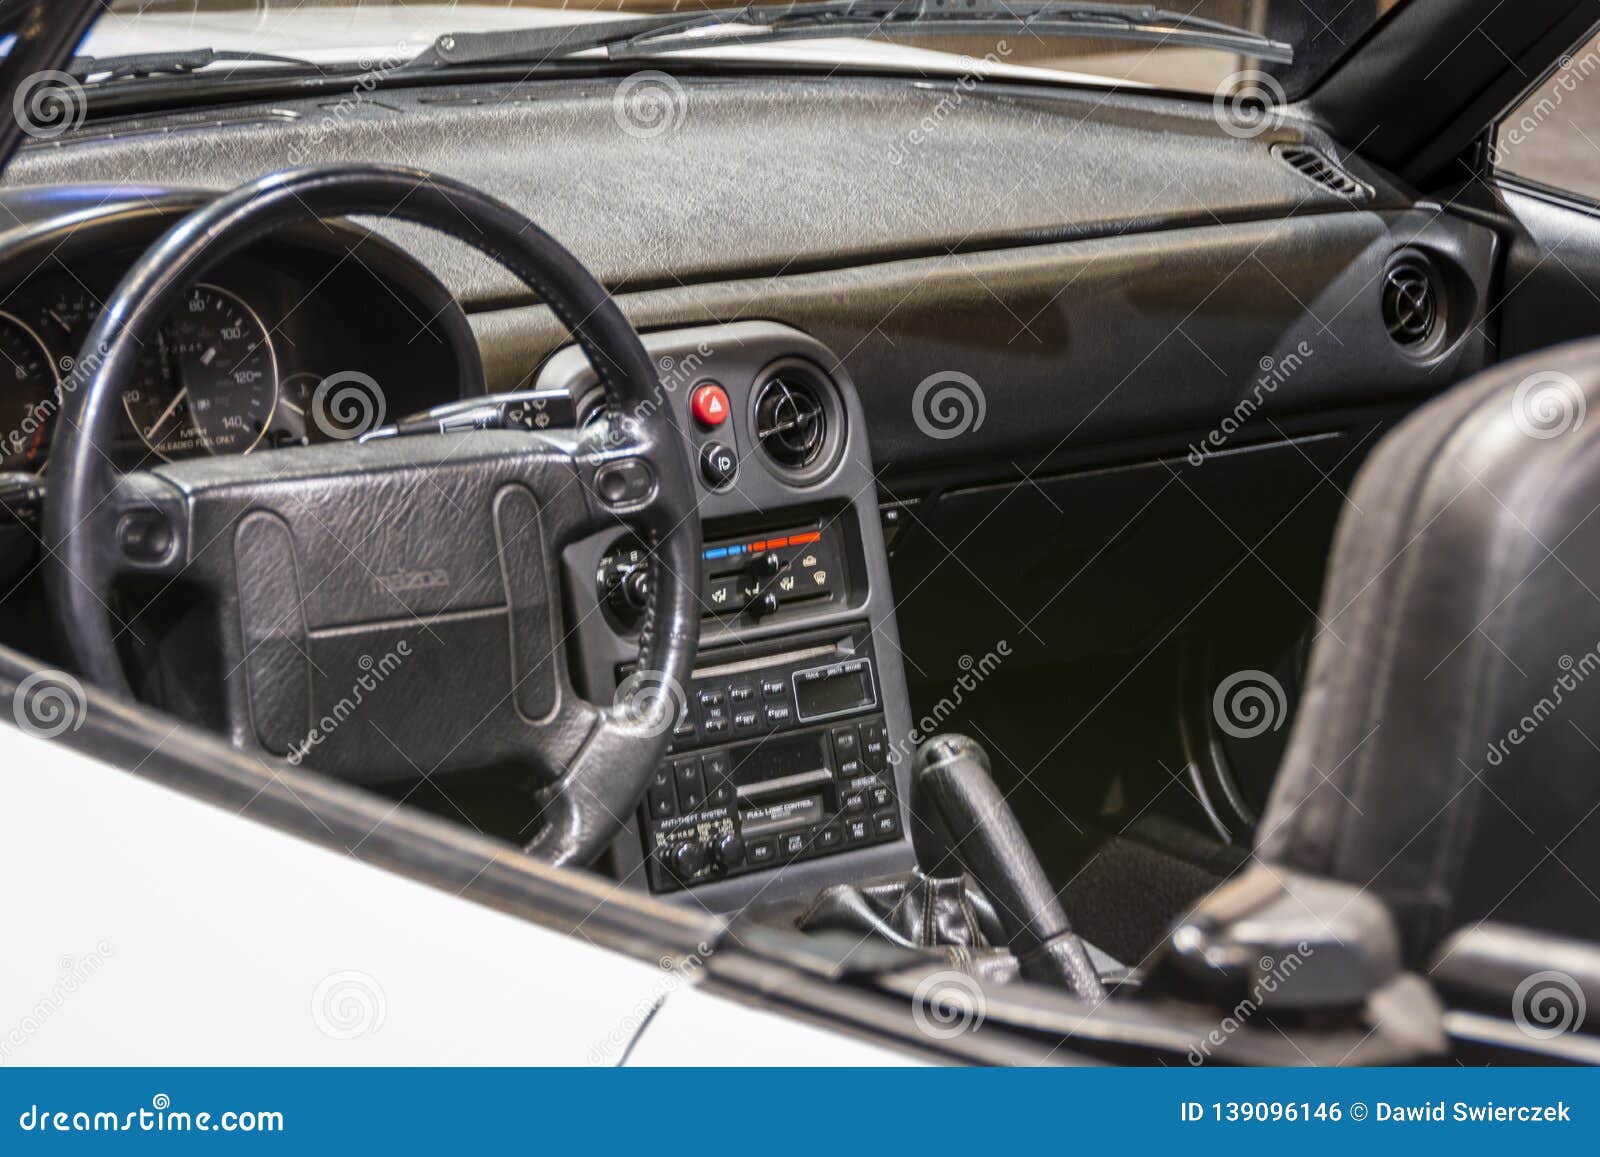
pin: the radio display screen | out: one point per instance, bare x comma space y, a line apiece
836, 693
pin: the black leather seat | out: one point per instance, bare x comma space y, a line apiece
1446, 755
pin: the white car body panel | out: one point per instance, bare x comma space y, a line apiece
143, 927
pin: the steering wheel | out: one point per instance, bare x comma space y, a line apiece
390, 610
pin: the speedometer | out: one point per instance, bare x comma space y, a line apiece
29, 395
209, 383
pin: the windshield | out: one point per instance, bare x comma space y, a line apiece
367, 31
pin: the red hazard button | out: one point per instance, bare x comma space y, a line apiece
709, 405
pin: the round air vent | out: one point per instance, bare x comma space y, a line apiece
790, 422
797, 420
1410, 303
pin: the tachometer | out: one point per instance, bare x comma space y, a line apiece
29, 395
210, 383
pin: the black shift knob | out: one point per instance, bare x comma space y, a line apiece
961, 823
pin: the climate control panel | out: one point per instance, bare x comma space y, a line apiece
754, 576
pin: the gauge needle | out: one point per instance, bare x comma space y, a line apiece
167, 413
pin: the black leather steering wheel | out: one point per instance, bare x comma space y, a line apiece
391, 609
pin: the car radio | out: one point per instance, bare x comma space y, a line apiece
778, 756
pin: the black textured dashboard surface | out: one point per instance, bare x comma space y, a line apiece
749, 176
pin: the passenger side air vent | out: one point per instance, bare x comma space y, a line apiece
1411, 303
1316, 166
797, 420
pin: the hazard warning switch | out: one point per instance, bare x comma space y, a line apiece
709, 405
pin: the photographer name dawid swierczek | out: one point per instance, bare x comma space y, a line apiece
1487, 1112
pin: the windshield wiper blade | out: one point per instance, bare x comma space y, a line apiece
140, 64
674, 32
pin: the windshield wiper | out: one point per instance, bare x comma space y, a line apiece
139, 64
674, 32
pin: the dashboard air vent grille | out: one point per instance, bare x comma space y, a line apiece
1410, 303
791, 423
1316, 166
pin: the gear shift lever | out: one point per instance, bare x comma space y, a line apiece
961, 822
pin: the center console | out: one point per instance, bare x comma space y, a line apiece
782, 774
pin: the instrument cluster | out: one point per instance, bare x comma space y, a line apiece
236, 368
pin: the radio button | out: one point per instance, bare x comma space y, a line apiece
741, 693
874, 745
759, 852
778, 714
854, 801
719, 787
691, 783
662, 800
886, 823
830, 836
745, 720
712, 697
791, 844
774, 688
880, 796
846, 745
715, 724
857, 831
849, 769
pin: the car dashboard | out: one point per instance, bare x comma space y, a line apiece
1057, 395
